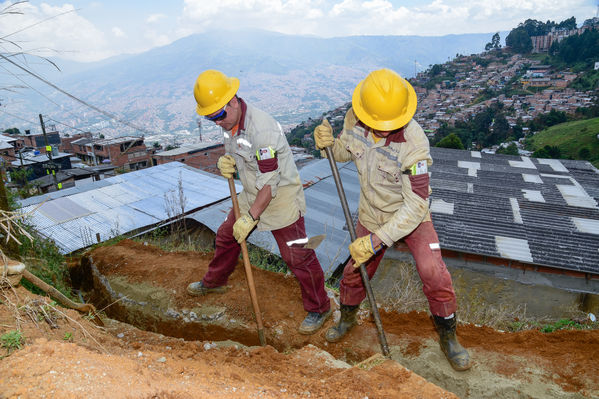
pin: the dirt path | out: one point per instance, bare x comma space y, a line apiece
145, 287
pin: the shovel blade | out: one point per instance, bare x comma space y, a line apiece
314, 242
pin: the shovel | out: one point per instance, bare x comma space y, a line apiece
248, 268
307, 243
352, 235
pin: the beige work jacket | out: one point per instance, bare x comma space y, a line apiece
394, 185
263, 157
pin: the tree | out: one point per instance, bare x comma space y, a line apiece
517, 131
12, 130
584, 153
519, 41
548, 151
451, 141
568, 24
495, 41
436, 69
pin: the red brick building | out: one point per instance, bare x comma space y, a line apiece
129, 153
37, 141
66, 144
7, 147
201, 156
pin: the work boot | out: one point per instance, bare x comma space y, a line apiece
198, 289
346, 322
313, 322
455, 353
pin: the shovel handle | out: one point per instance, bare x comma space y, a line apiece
352, 235
248, 268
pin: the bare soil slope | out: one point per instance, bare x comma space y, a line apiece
145, 287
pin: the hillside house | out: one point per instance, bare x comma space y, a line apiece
66, 144
129, 153
38, 141
40, 164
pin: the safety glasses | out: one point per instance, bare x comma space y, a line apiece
218, 117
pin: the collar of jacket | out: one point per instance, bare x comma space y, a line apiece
244, 109
397, 137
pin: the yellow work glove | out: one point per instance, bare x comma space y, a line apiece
243, 226
361, 250
323, 135
226, 165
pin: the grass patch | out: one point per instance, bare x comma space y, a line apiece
265, 260
12, 341
571, 138
569, 324
44, 260
174, 239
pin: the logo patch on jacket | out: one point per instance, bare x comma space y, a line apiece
419, 168
266, 153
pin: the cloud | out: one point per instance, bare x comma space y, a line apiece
358, 17
118, 32
63, 35
76, 37
157, 39
155, 18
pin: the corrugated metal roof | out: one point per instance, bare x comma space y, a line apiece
481, 204
538, 211
184, 149
120, 204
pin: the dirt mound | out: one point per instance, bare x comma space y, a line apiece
67, 356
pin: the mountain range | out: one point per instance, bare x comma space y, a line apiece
291, 77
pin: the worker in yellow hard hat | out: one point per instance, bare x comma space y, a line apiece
391, 153
272, 198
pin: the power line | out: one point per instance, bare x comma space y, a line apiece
31, 87
106, 113
64, 124
46, 97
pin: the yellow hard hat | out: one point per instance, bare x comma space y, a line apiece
384, 100
213, 90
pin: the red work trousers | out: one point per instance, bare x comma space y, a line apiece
301, 261
434, 275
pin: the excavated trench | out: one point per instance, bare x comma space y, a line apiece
155, 307
150, 308
146, 287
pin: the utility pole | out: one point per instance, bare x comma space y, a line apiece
200, 128
51, 167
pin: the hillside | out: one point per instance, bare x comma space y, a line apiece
291, 77
575, 140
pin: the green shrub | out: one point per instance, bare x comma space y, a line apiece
12, 340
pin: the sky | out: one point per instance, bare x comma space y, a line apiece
88, 30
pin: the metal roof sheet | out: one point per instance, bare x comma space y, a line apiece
535, 211
120, 204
